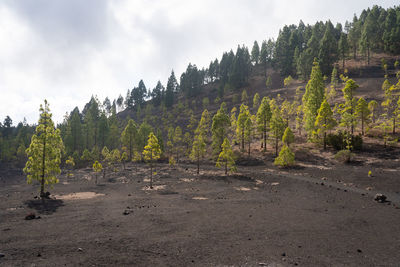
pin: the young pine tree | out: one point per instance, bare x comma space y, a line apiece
285, 158
324, 121
44, 152
128, 138
347, 110
362, 113
244, 114
277, 126
219, 128
198, 150
151, 153
263, 118
97, 167
226, 157
313, 98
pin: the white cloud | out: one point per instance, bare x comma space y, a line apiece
67, 50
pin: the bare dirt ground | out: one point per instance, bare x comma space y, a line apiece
319, 213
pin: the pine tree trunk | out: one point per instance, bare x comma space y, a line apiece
226, 167
324, 140
43, 162
151, 175
276, 146
265, 136
198, 162
243, 139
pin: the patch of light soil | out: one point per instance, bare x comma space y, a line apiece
199, 198
187, 180
320, 167
242, 188
65, 183
78, 196
146, 180
259, 182
274, 183
155, 187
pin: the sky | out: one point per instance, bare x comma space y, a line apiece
65, 51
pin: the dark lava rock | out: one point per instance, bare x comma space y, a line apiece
283, 254
2, 255
126, 212
39, 255
30, 216
359, 250
381, 198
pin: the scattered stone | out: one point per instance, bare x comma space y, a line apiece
30, 216
39, 255
381, 198
129, 195
345, 190
359, 250
80, 249
126, 212
362, 194
283, 254
2, 255
322, 184
262, 264
369, 188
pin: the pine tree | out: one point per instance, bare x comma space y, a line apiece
245, 98
256, 101
226, 157
324, 121
285, 158
313, 98
288, 136
244, 114
248, 132
277, 126
129, 137
198, 150
177, 140
44, 152
97, 167
343, 48
392, 93
347, 109
219, 128
362, 113
255, 53
263, 117
152, 152
372, 106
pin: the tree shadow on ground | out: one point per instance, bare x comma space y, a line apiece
45, 206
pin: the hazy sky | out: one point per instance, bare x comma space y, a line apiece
68, 50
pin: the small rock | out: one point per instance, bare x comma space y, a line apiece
38, 217
80, 249
129, 195
283, 254
39, 255
126, 212
262, 264
359, 250
322, 184
345, 190
30, 216
2, 255
381, 198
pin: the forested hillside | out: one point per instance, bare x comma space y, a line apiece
303, 84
